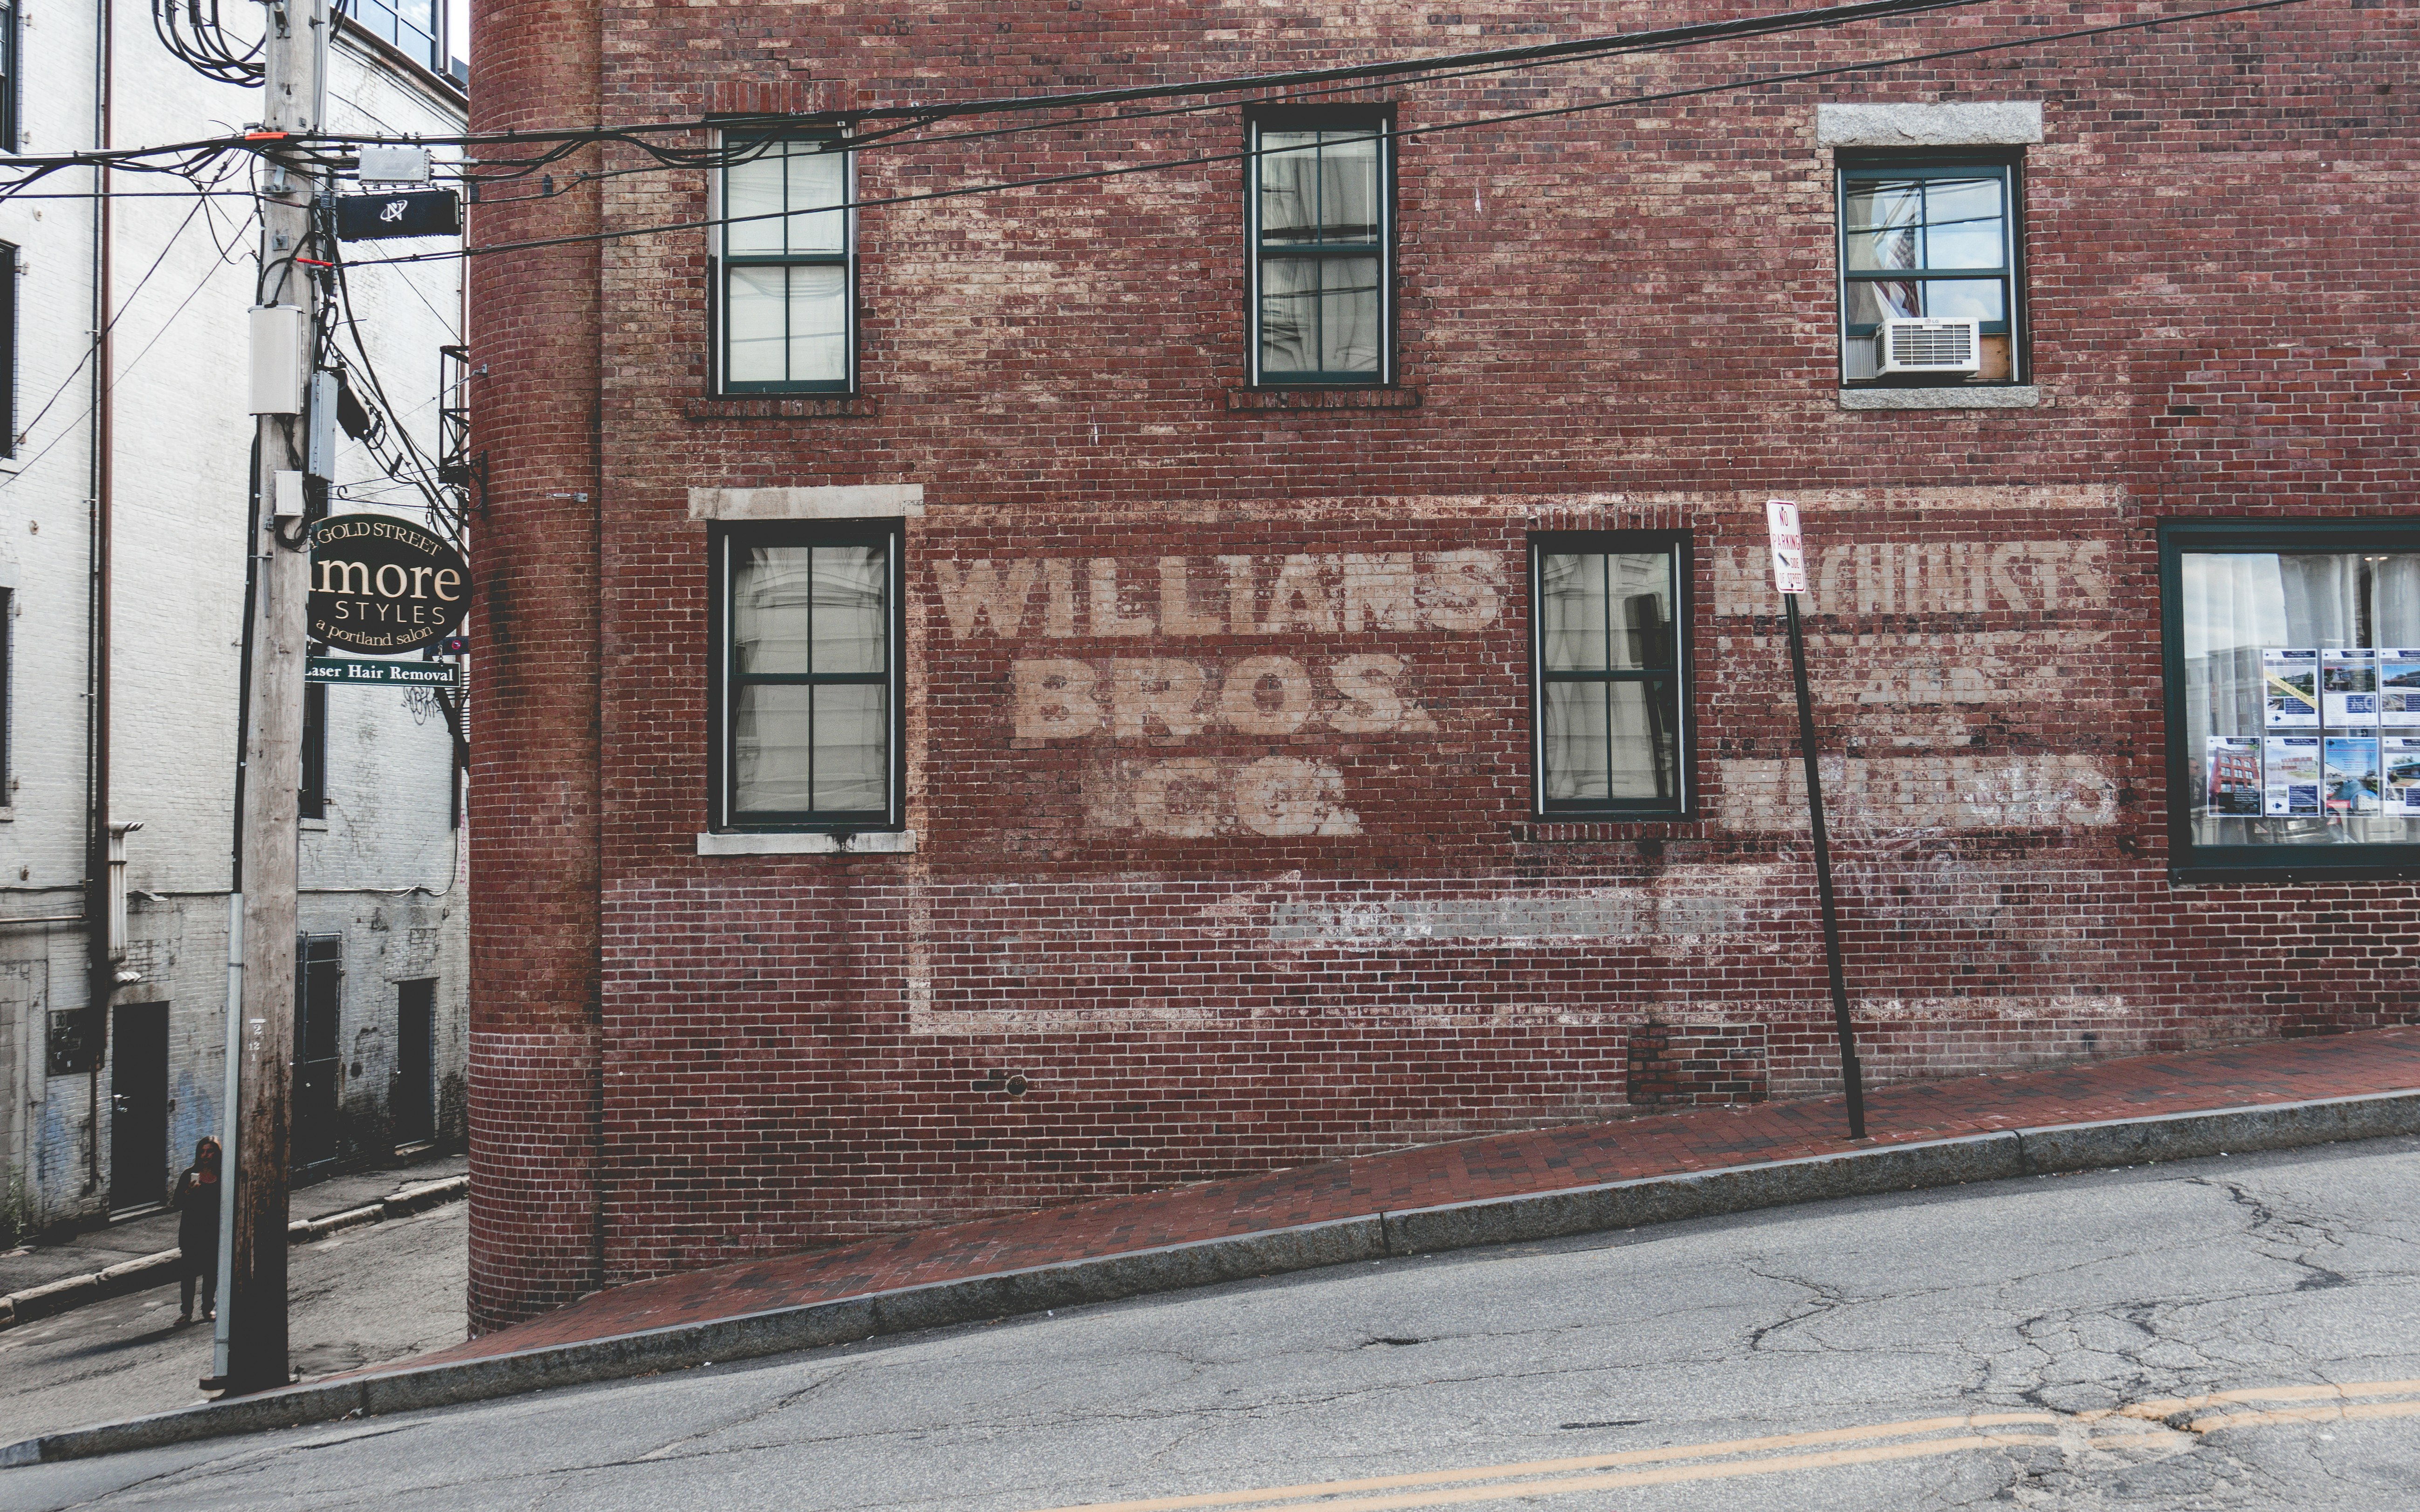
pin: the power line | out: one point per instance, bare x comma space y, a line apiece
103, 334
119, 375
1444, 66
1199, 159
138, 194
570, 140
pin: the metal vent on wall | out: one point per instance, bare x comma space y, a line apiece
1929, 346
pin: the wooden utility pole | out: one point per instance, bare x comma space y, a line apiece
252, 1343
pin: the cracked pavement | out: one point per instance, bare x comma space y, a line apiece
360, 1297
2044, 1343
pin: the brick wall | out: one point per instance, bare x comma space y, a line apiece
1217, 720
1692, 1064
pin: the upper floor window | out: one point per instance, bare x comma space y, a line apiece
785, 267
1609, 660
2294, 697
1321, 208
809, 724
417, 26
313, 799
8, 79
7, 346
1929, 285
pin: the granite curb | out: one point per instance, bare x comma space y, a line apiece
1525, 1216
68, 1293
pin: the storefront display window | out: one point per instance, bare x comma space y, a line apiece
2293, 673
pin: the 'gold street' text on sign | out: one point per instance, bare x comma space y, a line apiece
383, 586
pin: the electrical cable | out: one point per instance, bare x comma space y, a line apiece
1729, 87
203, 45
567, 141
69, 381
409, 466
1436, 72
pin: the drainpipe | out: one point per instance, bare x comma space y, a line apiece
101, 973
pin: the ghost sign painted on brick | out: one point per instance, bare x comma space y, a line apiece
383, 586
1171, 693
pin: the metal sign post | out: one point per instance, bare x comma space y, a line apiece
1790, 576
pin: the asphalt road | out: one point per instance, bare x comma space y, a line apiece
358, 1297
2218, 1334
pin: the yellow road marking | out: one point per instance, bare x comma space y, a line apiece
2170, 1407
1550, 1467
2349, 1412
2334, 1403
1673, 1475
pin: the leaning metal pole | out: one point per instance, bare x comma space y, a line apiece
1850, 1076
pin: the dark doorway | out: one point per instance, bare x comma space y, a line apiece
318, 999
414, 1108
138, 1105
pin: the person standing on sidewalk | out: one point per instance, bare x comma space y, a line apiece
197, 1232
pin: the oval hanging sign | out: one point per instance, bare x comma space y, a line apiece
383, 586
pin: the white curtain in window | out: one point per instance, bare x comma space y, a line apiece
773, 741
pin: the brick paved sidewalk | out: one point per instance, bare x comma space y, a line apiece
1543, 1160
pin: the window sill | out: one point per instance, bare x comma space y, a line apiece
1569, 829
2286, 876
1959, 397
784, 407
862, 842
313, 826
1316, 398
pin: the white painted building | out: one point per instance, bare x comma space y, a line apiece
125, 682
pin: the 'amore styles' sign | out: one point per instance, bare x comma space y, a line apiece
383, 586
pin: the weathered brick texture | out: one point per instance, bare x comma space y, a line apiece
1218, 723
1691, 1065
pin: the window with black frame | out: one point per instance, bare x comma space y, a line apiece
785, 264
1935, 243
417, 26
7, 76
313, 797
7, 344
1321, 205
809, 694
1609, 657
2294, 695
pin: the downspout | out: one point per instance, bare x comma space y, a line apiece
101, 971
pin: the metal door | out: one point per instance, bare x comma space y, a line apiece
138, 1105
318, 997
414, 1104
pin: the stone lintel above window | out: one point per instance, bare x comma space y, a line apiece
1996, 123
856, 501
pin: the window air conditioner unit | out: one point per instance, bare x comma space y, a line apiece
1929, 347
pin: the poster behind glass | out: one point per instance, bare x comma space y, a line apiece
2302, 696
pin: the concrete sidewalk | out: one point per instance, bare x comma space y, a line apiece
121, 1257
1533, 1185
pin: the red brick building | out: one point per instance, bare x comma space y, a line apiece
1029, 694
